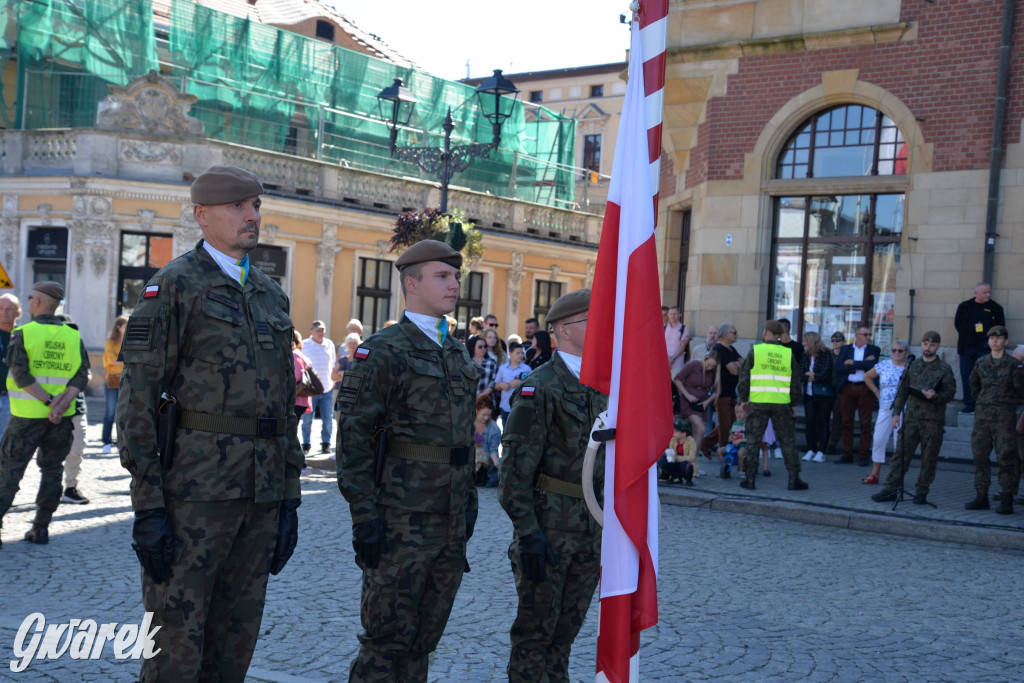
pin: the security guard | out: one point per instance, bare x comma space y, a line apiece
556, 549
769, 387
405, 466
49, 367
208, 375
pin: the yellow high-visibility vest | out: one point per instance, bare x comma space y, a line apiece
54, 356
771, 373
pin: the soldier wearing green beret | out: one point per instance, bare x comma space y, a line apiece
405, 466
997, 385
49, 367
925, 388
215, 490
556, 548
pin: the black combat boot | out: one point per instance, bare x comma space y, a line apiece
796, 483
980, 501
750, 476
40, 535
1005, 504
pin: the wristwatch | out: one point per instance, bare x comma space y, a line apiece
49, 400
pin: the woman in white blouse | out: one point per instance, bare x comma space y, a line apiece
882, 380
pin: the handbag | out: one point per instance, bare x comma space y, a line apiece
309, 383
113, 381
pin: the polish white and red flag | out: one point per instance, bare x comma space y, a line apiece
625, 357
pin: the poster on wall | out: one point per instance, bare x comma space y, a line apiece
832, 321
848, 292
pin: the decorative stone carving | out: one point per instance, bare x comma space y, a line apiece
150, 152
85, 207
94, 238
149, 103
44, 213
10, 209
382, 248
188, 218
515, 278
185, 237
326, 252
588, 279
268, 233
556, 270
146, 218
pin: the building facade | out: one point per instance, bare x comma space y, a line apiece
831, 163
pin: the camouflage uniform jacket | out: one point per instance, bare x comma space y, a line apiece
18, 360
997, 385
422, 394
218, 348
547, 433
921, 374
744, 378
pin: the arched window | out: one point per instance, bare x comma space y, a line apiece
835, 248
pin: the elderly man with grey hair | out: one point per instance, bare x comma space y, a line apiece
701, 351
729, 362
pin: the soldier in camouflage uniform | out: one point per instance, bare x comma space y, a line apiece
997, 385
780, 413
214, 335
405, 466
541, 489
42, 386
926, 387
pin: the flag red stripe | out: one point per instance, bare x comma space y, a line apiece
654, 74
597, 361
614, 651
654, 150
651, 11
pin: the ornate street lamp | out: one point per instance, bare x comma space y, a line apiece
446, 162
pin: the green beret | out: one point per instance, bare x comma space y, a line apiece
429, 250
775, 327
52, 289
224, 185
568, 305
931, 336
998, 331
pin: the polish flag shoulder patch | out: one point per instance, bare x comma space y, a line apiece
526, 392
362, 353
151, 291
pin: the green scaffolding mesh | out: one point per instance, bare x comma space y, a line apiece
110, 40
272, 89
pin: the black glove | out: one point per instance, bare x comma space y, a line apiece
470, 522
287, 534
369, 542
154, 543
534, 553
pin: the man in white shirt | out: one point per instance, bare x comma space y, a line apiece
677, 338
320, 350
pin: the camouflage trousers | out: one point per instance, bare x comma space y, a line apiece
407, 599
913, 432
21, 439
551, 612
997, 433
210, 610
784, 425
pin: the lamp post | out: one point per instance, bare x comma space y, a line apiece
446, 162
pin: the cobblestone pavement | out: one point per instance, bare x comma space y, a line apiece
742, 597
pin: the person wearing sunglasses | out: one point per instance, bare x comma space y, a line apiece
882, 381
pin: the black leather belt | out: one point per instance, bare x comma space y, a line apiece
439, 455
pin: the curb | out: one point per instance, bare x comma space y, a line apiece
1007, 538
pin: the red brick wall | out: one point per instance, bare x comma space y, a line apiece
946, 77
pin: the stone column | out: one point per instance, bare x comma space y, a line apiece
92, 271
10, 244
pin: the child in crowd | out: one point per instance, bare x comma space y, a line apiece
733, 452
769, 448
509, 376
679, 462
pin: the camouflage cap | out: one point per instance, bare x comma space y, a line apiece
568, 305
224, 185
931, 336
429, 250
775, 327
998, 331
54, 290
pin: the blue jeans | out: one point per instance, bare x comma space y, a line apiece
5, 413
108, 414
324, 405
